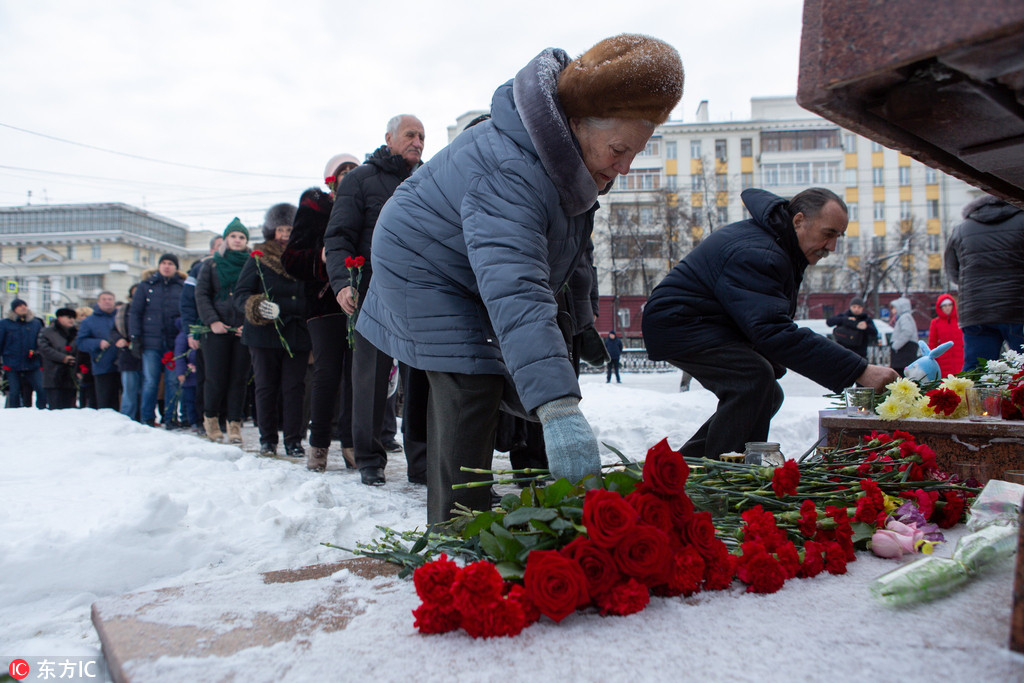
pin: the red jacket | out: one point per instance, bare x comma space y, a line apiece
944, 329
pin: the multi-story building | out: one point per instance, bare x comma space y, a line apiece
688, 180
60, 255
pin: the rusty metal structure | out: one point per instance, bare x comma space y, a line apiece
939, 80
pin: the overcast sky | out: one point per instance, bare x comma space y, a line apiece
201, 110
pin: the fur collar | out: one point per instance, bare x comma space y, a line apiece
535, 92
272, 250
29, 317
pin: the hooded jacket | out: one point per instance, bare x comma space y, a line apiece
301, 258
289, 294
55, 344
19, 341
904, 329
985, 257
91, 332
155, 307
740, 286
468, 254
946, 328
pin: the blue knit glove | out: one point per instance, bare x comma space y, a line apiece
569, 440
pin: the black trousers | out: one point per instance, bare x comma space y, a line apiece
200, 382
108, 390
332, 370
227, 371
415, 388
280, 382
462, 417
59, 398
748, 396
613, 366
370, 370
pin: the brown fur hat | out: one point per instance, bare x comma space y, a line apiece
628, 76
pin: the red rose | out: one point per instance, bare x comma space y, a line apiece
432, 618
359, 261
502, 618
350, 262
256, 253
478, 585
597, 563
700, 531
607, 516
644, 555
555, 584
808, 523
685, 574
652, 509
785, 479
625, 598
434, 580
681, 508
518, 594
665, 471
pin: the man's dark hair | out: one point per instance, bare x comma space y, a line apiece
811, 201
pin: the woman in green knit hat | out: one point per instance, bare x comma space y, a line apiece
226, 359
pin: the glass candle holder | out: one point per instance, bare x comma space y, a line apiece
860, 402
984, 404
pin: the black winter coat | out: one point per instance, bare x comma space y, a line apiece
301, 258
361, 196
289, 294
55, 344
155, 310
739, 286
126, 361
849, 321
985, 257
209, 305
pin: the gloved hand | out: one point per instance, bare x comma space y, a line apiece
269, 310
592, 348
135, 348
568, 439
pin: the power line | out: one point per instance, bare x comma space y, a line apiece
150, 159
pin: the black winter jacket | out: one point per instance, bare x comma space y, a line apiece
301, 258
849, 320
155, 310
739, 286
361, 196
985, 257
55, 344
209, 305
288, 293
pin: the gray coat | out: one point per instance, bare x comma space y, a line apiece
985, 257
469, 252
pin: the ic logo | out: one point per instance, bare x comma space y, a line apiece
18, 669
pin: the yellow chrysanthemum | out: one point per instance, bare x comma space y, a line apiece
903, 389
923, 409
890, 410
958, 384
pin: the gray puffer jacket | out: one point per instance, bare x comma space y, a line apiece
469, 252
985, 257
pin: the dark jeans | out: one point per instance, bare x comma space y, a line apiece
278, 376
462, 417
18, 380
370, 370
227, 371
332, 368
613, 366
108, 390
748, 397
986, 341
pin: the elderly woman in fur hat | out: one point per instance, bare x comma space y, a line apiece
471, 251
274, 304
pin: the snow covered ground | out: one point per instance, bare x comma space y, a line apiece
94, 505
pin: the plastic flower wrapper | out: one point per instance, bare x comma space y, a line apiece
998, 503
934, 577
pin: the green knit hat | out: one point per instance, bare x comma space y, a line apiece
236, 226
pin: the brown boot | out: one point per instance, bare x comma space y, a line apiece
317, 459
349, 454
212, 427
234, 432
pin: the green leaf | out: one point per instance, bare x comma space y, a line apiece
489, 544
616, 451
562, 524
510, 571
862, 532
621, 482
419, 545
556, 492
541, 526
480, 523
524, 514
510, 501
508, 545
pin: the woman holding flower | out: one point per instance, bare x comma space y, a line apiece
226, 358
274, 304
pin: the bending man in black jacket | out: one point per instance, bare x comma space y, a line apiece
724, 314
360, 198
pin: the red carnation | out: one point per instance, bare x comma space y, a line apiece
950, 513
67, 348
761, 527
835, 558
808, 523
625, 598
607, 517
83, 369
665, 471
477, 586
432, 618
518, 594
814, 562
719, 567
652, 509
434, 580
644, 555
759, 569
359, 261
789, 558
685, 575
7, 368
555, 584
785, 479
350, 262
943, 401
597, 563
501, 618
871, 503
256, 253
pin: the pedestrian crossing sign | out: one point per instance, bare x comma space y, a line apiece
12, 286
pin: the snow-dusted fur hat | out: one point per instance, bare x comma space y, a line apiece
278, 214
629, 76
